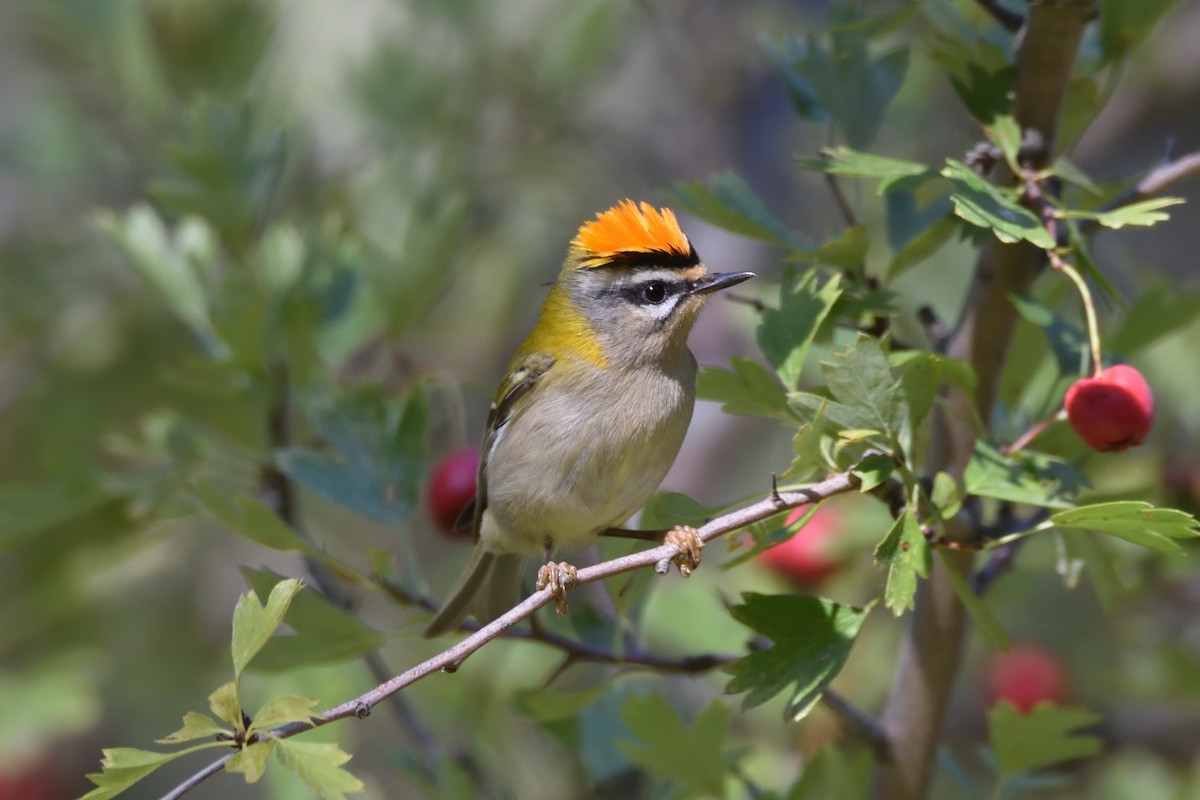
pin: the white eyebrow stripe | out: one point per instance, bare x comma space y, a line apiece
668, 276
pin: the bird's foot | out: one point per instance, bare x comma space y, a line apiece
557, 578
689, 543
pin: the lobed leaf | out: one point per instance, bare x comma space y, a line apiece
983, 205
811, 639
1047, 735
906, 555
786, 333
195, 726
319, 765
695, 756
748, 389
1132, 520
729, 202
254, 623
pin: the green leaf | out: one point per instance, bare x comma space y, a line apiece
223, 702
1066, 169
28, 509
749, 389
946, 496
767, 533
1132, 520
906, 555
981, 204
873, 471
834, 773
251, 760
379, 451
1067, 342
1125, 23
841, 80
254, 623
922, 373
1024, 477
281, 710
1086, 549
812, 637
195, 726
695, 756
667, 509
730, 203
985, 622
547, 704
1005, 133
787, 332
845, 161
847, 251
1043, 737
322, 633
1157, 312
122, 767
319, 765
922, 246
1142, 214
247, 516
171, 263
868, 396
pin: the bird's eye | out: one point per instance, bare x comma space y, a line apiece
654, 292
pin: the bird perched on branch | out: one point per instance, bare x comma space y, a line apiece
592, 410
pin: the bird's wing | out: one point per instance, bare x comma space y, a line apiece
523, 374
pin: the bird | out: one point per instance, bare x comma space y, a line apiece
592, 410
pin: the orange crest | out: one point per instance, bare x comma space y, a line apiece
628, 228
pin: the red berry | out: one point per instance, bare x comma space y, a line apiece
1026, 676
1113, 410
452, 488
35, 781
807, 556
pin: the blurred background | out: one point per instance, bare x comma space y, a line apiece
197, 196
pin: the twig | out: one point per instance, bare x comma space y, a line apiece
197, 779
452, 658
1011, 21
860, 724
1003, 557
1036, 430
279, 493
840, 198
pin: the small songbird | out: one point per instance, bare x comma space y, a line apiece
593, 408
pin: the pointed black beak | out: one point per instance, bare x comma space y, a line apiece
718, 281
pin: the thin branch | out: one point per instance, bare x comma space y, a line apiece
839, 197
860, 723
1011, 21
452, 658
197, 779
279, 493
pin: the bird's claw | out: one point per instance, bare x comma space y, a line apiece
689, 543
557, 578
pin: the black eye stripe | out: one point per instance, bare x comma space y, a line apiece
647, 292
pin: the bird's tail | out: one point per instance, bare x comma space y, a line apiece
488, 587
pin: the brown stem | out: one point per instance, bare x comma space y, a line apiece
931, 652
1026, 438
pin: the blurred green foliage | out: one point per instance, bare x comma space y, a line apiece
260, 263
